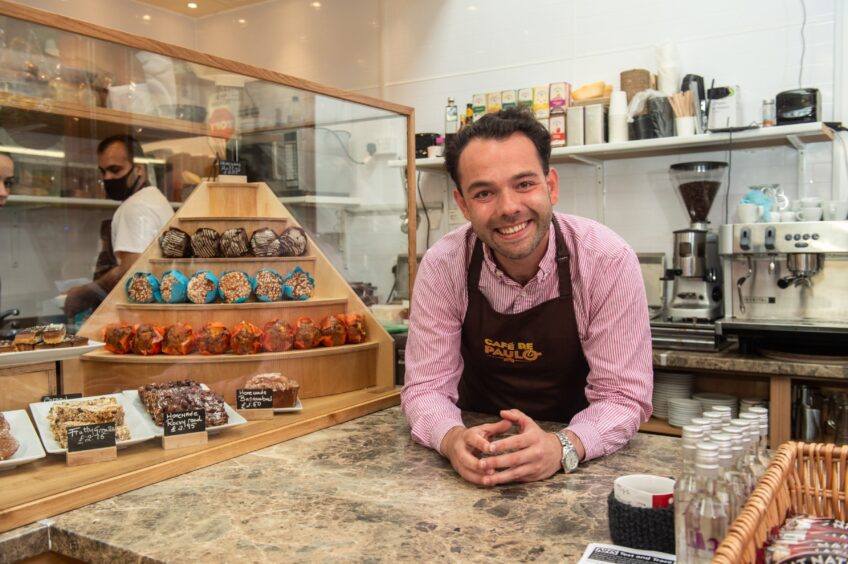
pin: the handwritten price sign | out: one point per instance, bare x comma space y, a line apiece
88, 437
254, 399
184, 422
60, 397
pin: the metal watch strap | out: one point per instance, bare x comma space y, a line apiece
569, 459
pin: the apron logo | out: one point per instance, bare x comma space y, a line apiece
510, 352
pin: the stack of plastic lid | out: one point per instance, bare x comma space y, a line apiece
668, 386
681, 411
709, 400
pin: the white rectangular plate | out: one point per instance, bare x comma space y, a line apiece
47, 355
30, 447
297, 407
139, 430
233, 418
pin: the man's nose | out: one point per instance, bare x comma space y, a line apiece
509, 203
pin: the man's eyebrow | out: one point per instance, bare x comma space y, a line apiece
514, 178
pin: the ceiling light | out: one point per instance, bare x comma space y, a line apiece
146, 17
242, 21
472, 8
316, 5
192, 5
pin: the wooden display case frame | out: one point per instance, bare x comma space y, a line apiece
344, 382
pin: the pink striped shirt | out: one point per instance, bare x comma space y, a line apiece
612, 320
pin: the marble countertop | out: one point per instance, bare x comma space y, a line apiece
729, 360
358, 491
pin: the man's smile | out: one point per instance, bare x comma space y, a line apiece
513, 230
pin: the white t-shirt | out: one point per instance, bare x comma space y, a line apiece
139, 219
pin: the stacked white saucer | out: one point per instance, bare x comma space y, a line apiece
709, 400
745, 404
668, 386
681, 411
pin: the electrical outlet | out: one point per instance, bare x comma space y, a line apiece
386, 146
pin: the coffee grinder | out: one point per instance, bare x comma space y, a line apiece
696, 270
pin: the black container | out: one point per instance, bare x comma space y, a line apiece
642, 528
642, 127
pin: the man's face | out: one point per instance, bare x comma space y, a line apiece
7, 177
114, 162
506, 196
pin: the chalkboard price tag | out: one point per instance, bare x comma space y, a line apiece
90, 437
185, 422
230, 168
60, 397
254, 399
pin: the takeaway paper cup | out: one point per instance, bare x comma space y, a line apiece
644, 490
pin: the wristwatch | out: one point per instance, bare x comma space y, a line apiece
569, 453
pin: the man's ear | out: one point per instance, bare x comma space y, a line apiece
460, 202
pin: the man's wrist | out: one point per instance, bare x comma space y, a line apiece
578, 444
448, 440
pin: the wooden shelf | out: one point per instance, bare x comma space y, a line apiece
102, 355
197, 263
244, 306
778, 136
19, 199
330, 201
18, 111
660, 427
281, 220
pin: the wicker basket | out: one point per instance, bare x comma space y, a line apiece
802, 477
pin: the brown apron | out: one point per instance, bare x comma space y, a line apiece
106, 260
532, 361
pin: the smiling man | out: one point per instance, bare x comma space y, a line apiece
527, 314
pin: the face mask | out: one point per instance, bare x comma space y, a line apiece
117, 189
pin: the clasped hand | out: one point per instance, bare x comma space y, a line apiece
532, 454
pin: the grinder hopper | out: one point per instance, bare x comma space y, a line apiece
698, 183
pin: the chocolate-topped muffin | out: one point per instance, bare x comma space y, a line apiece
204, 242
265, 243
175, 243
234, 243
293, 242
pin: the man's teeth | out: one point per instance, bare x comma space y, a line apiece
513, 229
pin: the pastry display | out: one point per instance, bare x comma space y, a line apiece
173, 287
306, 333
355, 324
268, 286
175, 243
28, 336
235, 287
204, 242
293, 242
277, 336
8, 444
213, 338
7, 346
118, 338
298, 285
246, 338
86, 412
202, 287
333, 331
265, 243
142, 288
182, 395
234, 243
147, 339
54, 333
284, 390
178, 339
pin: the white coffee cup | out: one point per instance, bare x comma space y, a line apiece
787, 216
685, 126
809, 214
749, 213
618, 103
835, 210
644, 490
811, 202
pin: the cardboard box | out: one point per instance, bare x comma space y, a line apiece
575, 126
541, 108
525, 98
595, 124
493, 102
509, 99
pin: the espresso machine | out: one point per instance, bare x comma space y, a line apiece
696, 298
785, 286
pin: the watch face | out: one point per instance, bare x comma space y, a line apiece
571, 459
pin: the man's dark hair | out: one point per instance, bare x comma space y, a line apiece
499, 126
131, 146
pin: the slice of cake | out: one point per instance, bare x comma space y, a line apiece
86, 412
54, 333
284, 389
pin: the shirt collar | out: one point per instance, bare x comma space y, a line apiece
546, 266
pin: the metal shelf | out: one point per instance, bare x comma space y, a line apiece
20, 199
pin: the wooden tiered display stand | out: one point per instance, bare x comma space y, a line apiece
337, 383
